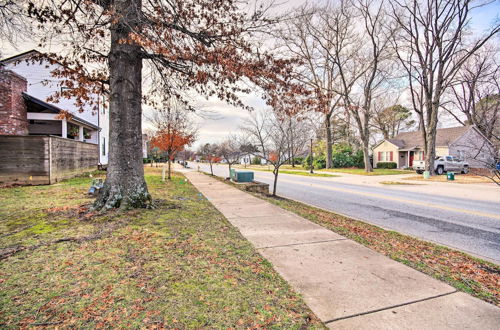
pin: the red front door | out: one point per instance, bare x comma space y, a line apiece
411, 158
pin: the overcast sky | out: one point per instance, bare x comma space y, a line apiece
221, 119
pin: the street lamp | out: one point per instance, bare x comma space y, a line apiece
311, 170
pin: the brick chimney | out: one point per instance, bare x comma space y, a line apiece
13, 115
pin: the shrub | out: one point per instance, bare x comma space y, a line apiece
298, 160
256, 161
306, 162
343, 156
319, 162
359, 159
389, 165
342, 160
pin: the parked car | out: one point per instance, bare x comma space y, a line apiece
443, 164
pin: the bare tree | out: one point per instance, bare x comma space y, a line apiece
432, 47
345, 64
308, 38
269, 134
365, 70
13, 22
208, 152
186, 154
230, 150
475, 95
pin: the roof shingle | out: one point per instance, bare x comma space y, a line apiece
444, 137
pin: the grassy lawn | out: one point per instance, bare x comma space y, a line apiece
399, 183
298, 172
299, 169
180, 265
360, 171
459, 178
466, 273
270, 167
325, 175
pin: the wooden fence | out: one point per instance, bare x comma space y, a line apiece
33, 160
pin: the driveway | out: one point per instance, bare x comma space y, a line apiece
465, 217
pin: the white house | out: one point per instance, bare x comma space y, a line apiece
43, 117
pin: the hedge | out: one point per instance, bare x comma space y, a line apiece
389, 165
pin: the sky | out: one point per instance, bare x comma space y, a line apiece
221, 119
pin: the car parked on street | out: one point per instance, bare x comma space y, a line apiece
443, 164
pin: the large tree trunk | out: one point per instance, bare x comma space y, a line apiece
430, 135
430, 150
329, 141
125, 186
366, 155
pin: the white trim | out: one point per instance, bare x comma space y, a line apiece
80, 133
64, 131
378, 145
42, 116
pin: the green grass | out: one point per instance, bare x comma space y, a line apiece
325, 175
295, 172
180, 265
360, 171
333, 171
398, 183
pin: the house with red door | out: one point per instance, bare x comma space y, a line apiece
464, 142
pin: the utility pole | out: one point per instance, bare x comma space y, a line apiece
311, 170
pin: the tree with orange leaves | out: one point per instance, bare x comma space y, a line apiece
171, 143
175, 130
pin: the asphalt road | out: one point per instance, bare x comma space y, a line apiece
472, 226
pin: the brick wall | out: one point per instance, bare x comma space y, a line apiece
13, 116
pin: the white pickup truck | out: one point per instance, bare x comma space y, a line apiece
443, 164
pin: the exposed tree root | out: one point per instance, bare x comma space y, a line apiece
115, 197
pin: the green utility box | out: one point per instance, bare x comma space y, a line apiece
232, 174
242, 176
450, 176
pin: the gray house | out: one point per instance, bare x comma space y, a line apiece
464, 142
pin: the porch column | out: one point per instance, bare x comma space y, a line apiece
80, 133
64, 131
408, 159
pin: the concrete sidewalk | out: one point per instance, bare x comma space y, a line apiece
347, 285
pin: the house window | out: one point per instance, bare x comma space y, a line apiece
385, 156
103, 146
